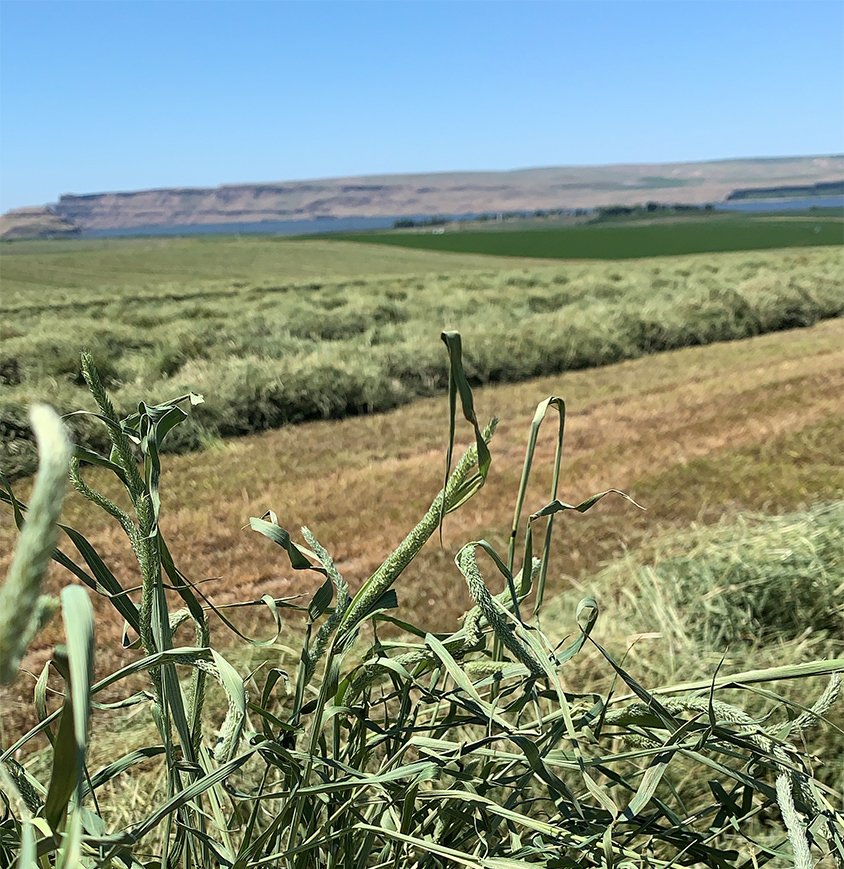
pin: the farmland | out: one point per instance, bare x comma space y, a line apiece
279, 331
627, 239
706, 386
686, 441
276, 332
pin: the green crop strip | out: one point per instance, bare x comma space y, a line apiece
624, 241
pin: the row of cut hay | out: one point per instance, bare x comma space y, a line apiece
749, 592
270, 358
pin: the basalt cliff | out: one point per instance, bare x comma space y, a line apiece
423, 194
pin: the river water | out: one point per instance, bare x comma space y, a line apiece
360, 224
760, 206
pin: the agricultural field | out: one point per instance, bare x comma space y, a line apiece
271, 333
626, 239
706, 387
687, 442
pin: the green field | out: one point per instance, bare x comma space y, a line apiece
628, 240
273, 335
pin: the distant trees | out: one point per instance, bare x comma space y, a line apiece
410, 222
597, 215
535, 214
623, 212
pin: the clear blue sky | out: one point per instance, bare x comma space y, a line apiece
125, 95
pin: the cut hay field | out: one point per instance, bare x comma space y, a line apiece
692, 720
696, 434
282, 331
624, 239
71, 271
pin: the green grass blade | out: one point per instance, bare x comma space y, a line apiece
28, 852
21, 610
77, 666
458, 384
273, 531
539, 416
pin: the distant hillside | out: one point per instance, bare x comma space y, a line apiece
38, 222
822, 188
443, 193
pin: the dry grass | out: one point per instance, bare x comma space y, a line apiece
744, 593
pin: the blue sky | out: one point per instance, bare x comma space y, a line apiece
122, 95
